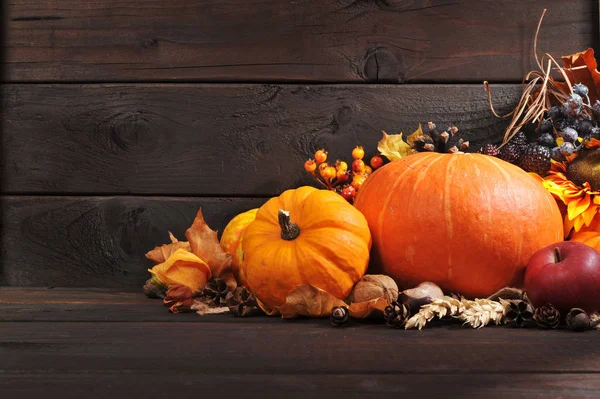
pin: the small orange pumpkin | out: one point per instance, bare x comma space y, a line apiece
467, 222
232, 237
589, 235
305, 236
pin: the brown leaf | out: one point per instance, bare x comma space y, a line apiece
583, 68
163, 252
268, 311
508, 293
307, 300
415, 136
179, 299
205, 245
372, 308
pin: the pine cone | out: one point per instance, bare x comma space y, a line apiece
578, 320
396, 315
547, 317
241, 302
215, 291
519, 313
339, 316
446, 142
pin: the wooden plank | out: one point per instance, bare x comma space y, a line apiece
307, 40
214, 139
162, 383
289, 347
94, 304
96, 241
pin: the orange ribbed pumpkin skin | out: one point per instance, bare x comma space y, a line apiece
331, 252
468, 222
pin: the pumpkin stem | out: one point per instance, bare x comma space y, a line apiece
289, 229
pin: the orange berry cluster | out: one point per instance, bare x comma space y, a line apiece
339, 177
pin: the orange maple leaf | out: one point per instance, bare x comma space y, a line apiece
582, 68
205, 245
161, 253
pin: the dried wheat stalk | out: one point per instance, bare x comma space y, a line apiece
476, 314
443, 307
481, 312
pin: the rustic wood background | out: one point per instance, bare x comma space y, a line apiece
120, 118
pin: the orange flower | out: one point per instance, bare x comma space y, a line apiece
182, 268
582, 203
589, 235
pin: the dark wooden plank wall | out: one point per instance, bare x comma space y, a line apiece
120, 118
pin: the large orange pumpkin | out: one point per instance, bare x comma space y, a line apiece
467, 222
305, 236
232, 237
589, 235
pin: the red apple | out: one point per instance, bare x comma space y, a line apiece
567, 275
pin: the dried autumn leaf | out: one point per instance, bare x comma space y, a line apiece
393, 147
372, 308
582, 68
205, 245
163, 252
268, 311
307, 300
415, 136
182, 268
179, 299
508, 293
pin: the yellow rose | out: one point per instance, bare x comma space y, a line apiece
182, 268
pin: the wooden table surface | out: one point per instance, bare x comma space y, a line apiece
95, 343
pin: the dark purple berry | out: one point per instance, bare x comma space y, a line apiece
580, 89
546, 139
555, 113
585, 127
547, 126
569, 134
557, 155
574, 101
567, 148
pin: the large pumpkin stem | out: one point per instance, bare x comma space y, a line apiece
289, 229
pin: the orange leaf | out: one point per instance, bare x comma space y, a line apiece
162, 253
583, 68
205, 245
307, 300
179, 299
372, 308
